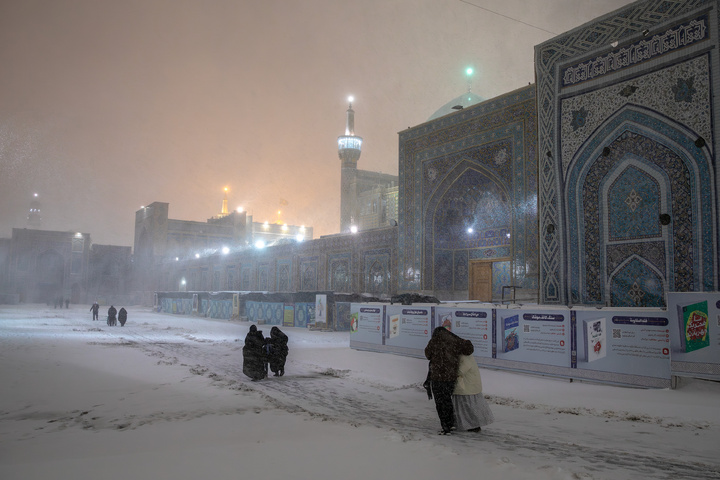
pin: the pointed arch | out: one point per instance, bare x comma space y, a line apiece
676, 180
469, 215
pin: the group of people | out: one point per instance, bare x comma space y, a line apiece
455, 384
260, 352
60, 301
113, 316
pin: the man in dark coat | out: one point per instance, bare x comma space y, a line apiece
122, 316
444, 350
278, 351
254, 358
95, 309
112, 320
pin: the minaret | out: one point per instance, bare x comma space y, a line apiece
34, 219
224, 212
349, 146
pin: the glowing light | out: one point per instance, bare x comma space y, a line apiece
353, 228
35, 194
351, 99
284, 227
507, 235
142, 206
470, 230
183, 282
177, 259
469, 71
266, 225
226, 189
299, 237
197, 255
260, 244
239, 209
302, 228
78, 234
225, 250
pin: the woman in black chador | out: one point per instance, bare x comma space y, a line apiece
112, 319
122, 316
254, 358
277, 351
444, 350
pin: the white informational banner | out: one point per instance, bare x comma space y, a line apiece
633, 342
320, 309
474, 324
695, 333
408, 326
534, 335
613, 345
366, 323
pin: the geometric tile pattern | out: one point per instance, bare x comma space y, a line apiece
283, 269
308, 274
653, 57
339, 272
468, 189
643, 173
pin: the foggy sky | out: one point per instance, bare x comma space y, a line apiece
106, 106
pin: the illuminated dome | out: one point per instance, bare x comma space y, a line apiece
465, 100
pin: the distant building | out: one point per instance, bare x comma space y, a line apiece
110, 274
44, 265
367, 199
159, 238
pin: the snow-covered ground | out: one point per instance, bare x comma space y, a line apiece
164, 398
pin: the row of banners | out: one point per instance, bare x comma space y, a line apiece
643, 347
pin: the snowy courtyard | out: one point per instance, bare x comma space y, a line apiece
164, 397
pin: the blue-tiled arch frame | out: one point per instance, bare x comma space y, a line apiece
674, 137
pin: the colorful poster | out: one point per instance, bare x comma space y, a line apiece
289, 316
695, 333
320, 309
511, 336
594, 339
694, 326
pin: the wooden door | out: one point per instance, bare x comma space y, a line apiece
481, 281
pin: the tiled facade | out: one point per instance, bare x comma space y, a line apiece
628, 181
362, 262
474, 169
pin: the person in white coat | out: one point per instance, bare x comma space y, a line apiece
471, 409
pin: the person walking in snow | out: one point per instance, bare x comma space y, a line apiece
95, 309
444, 350
471, 409
254, 357
111, 319
122, 316
277, 351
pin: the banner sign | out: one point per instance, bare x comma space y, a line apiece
536, 336
695, 333
623, 341
366, 323
474, 324
408, 326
